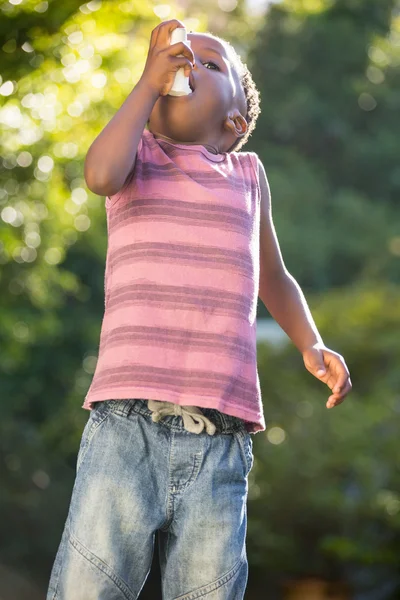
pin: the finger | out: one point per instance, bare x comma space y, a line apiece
341, 379
153, 39
333, 381
154, 36
338, 369
329, 378
332, 403
347, 387
336, 399
182, 48
182, 62
165, 31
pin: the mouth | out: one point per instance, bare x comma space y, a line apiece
192, 86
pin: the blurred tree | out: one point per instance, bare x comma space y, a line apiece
62, 72
65, 70
329, 136
324, 495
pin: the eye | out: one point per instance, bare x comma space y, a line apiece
209, 62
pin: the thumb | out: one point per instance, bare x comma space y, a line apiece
319, 365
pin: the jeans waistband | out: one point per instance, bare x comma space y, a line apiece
224, 423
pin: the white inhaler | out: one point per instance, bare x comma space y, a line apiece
180, 87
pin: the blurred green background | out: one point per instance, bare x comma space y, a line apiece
324, 491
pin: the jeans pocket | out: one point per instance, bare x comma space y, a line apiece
246, 449
98, 415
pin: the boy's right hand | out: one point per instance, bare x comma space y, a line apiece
162, 61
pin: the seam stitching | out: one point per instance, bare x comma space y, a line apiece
253, 157
206, 589
102, 566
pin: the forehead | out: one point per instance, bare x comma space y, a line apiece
202, 41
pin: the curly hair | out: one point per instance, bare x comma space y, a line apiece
251, 92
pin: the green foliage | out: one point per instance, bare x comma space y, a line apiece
324, 488
325, 499
328, 136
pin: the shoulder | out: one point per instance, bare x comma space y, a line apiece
262, 180
258, 169
249, 157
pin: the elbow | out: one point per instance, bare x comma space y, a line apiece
91, 180
105, 184
97, 185
99, 188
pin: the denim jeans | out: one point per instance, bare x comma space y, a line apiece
135, 477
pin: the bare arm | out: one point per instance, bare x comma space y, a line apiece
278, 290
112, 155
285, 300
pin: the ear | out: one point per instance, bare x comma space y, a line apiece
236, 124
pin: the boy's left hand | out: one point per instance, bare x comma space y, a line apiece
334, 371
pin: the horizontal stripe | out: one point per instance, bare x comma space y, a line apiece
205, 383
182, 340
168, 174
181, 282
182, 298
180, 254
187, 214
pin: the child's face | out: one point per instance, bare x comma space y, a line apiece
218, 98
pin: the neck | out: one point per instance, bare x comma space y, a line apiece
210, 148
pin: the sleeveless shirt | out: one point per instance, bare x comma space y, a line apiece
181, 282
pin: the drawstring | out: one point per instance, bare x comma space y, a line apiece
193, 418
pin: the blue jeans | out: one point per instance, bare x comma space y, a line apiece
135, 477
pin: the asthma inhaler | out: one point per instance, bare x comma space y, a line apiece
180, 87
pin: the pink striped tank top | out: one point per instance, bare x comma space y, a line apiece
181, 282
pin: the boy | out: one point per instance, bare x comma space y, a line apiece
175, 395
